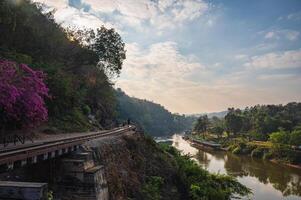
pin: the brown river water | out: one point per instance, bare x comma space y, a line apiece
268, 181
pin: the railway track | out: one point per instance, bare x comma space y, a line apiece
43, 150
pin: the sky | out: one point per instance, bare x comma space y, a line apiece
196, 56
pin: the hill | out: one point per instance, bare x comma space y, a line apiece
153, 118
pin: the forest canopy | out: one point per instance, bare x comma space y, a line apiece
257, 122
151, 117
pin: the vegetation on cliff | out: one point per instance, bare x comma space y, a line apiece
139, 168
203, 185
22, 93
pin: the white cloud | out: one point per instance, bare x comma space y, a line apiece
291, 35
57, 4
240, 56
218, 65
294, 16
164, 4
70, 16
278, 77
188, 10
281, 60
270, 35
73, 17
159, 60
160, 14
159, 73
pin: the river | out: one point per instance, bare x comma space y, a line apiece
268, 181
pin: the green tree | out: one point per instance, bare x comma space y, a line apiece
109, 47
202, 124
295, 137
280, 137
106, 43
234, 121
217, 126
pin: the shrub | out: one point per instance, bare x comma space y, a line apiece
248, 149
257, 153
268, 155
291, 156
280, 137
258, 136
86, 110
285, 153
237, 150
203, 185
295, 137
152, 188
232, 147
22, 93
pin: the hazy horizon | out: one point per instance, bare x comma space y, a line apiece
198, 56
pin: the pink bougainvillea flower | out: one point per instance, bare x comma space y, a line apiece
22, 94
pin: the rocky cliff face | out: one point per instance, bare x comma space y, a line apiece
130, 160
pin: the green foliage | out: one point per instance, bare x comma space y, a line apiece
218, 130
203, 185
202, 124
285, 153
74, 80
248, 148
86, 109
234, 121
153, 118
295, 137
258, 152
152, 188
257, 136
280, 137
237, 150
268, 155
282, 145
109, 47
241, 147
106, 43
259, 121
50, 195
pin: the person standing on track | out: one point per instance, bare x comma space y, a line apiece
129, 121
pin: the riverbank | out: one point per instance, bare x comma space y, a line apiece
268, 180
287, 164
256, 149
137, 167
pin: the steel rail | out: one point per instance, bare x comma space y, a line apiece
25, 152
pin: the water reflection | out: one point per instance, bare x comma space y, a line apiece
267, 180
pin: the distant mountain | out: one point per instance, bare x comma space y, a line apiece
210, 115
153, 118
